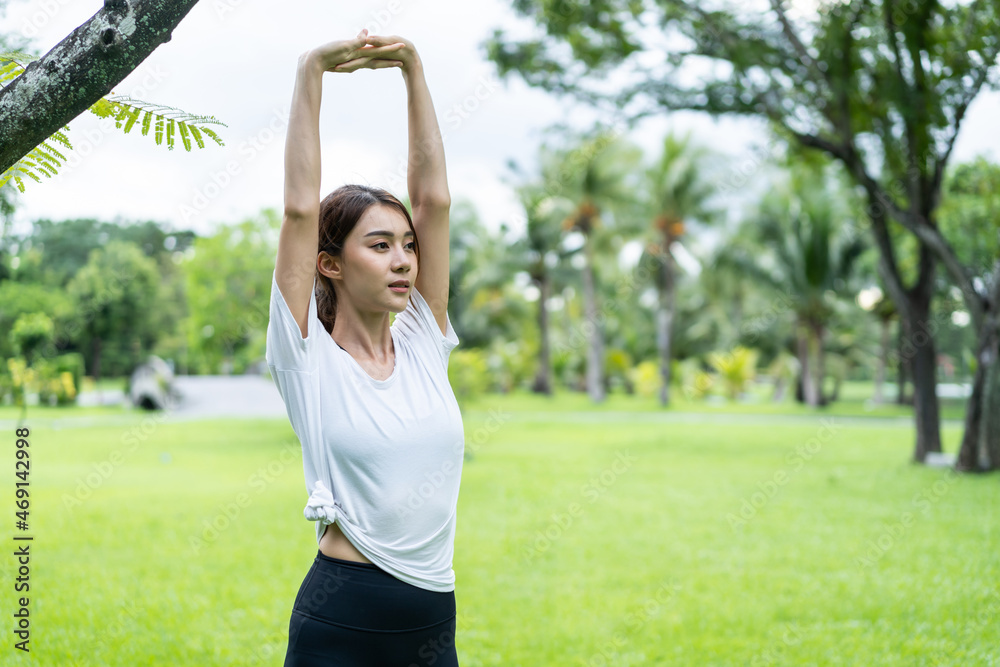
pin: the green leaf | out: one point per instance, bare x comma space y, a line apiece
102, 108
213, 136
132, 118
62, 138
182, 126
159, 130
170, 133
122, 112
196, 133
145, 123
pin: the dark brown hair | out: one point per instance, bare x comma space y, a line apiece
339, 213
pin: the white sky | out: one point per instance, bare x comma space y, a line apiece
235, 59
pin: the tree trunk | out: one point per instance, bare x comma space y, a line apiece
543, 376
809, 396
819, 333
980, 450
97, 369
902, 369
595, 357
923, 365
81, 69
882, 364
665, 320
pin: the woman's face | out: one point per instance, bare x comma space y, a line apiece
379, 251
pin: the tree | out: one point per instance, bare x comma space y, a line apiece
116, 296
228, 282
970, 214
541, 252
43, 95
676, 193
880, 86
595, 176
801, 247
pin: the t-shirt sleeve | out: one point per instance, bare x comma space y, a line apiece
285, 349
418, 324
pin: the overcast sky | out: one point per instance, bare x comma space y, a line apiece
235, 59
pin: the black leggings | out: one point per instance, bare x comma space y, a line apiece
353, 614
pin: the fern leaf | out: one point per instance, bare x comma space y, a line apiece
133, 116
43, 159
170, 133
159, 130
61, 138
213, 136
28, 172
122, 112
145, 123
102, 108
197, 136
182, 127
167, 111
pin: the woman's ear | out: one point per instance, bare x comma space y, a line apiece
330, 266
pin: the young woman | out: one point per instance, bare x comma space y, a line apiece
381, 433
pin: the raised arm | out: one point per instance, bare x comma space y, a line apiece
426, 180
298, 240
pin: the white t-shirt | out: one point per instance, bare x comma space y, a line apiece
382, 458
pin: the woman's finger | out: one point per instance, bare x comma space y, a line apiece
381, 40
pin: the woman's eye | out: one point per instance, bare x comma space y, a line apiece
381, 243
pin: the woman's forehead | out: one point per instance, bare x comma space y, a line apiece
381, 217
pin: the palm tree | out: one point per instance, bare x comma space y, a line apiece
543, 258
676, 192
800, 248
594, 174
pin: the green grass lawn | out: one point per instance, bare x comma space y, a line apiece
585, 537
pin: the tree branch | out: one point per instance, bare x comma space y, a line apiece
793, 38
960, 110
82, 69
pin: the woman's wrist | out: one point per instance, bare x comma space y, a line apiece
414, 68
311, 62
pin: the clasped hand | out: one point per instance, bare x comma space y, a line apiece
366, 52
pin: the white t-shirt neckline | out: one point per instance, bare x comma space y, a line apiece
397, 348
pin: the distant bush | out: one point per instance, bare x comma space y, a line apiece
736, 369
59, 379
469, 373
646, 378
